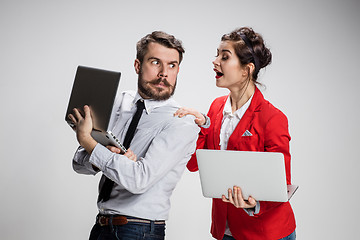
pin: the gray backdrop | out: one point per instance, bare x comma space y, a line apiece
313, 79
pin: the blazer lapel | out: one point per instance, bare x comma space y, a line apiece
218, 123
247, 120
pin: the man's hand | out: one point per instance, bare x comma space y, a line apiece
83, 127
129, 153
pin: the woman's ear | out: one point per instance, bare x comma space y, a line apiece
251, 68
248, 70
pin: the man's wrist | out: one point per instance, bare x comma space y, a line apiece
87, 142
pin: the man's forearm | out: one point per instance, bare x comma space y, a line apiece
87, 142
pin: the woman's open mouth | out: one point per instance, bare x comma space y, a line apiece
218, 73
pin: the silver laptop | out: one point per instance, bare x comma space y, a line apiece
96, 88
258, 174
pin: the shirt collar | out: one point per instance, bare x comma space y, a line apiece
151, 104
227, 108
227, 112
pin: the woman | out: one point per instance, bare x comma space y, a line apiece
244, 121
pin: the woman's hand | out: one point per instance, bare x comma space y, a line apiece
235, 197
129, 153
199, 118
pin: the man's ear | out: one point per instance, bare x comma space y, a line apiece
137, 65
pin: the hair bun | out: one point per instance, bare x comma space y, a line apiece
261, 51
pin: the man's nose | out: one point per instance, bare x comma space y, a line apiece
163, 71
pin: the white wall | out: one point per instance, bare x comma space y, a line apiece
313, 79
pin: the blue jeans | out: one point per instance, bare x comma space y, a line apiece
129, 231
290, 237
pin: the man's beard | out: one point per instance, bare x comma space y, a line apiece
154, 92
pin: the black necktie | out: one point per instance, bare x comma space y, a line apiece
108, 184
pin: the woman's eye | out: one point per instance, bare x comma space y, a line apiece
225, 57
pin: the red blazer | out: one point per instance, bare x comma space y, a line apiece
269, 129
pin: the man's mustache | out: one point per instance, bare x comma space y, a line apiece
159, 80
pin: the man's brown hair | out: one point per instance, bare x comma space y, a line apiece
159, 37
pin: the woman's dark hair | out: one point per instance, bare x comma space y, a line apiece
250, 48
162, 38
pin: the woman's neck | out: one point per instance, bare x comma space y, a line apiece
239, 98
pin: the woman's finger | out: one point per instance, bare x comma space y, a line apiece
224, 199
252, 201
231, 199
237, 197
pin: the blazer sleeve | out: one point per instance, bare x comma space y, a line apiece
277, 139
192, 164
203, 134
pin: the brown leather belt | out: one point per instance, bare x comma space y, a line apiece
103, 220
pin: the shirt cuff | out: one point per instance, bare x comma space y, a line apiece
252, 211
100, 156
207, 122
81, 162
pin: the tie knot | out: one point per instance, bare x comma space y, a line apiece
140, 104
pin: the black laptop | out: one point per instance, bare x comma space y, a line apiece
96, 88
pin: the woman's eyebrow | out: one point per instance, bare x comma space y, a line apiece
226, 50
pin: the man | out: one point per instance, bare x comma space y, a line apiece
143, 178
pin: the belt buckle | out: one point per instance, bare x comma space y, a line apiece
102, 221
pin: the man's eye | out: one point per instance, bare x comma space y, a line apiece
172, 65
155, 62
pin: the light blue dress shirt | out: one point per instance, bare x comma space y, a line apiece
163, 145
